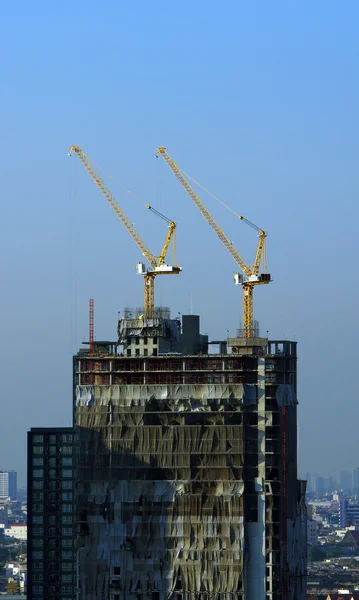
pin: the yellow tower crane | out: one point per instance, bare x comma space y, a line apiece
157, 263
251, 275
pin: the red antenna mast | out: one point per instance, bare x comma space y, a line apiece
91, 326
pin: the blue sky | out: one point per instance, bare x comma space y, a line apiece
256, 100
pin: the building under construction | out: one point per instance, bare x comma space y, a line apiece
187, 483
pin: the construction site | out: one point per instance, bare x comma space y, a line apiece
186, 480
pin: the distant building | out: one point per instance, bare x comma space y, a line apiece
16, 575
356, 479
4, 515
18, 532
309, 480
312, 532
348, 513
343, 595
8, 485
312, 527
346, 481
351, 539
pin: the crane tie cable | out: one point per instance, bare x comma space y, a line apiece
219, 200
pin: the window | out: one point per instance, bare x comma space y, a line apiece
66, 554
37, 496
145, 352
38, 543
67, 437
37, 554
37, 520
52, 520
37, 472
52, 439
67, 520
38, 531
37, 507
67, 495
52, 450
52, 462
67, 531
38, 438
38, 566
145, 340
66, 577
154, 352
38, 462
52, 531
66, 543
67, 485
52, 496
37, 485
37, 577
67, 461
137, 340
155, 340
66, 589
128, 352
137, 352
52, 473
37, 589
66, 566
67, 472
52, 554
66, 450
67, 508
38, 449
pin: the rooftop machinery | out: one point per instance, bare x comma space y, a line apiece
251, 274
157, 263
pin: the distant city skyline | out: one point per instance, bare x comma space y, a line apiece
266, 118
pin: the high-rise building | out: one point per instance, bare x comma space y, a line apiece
309, 480
348, 512
8, 485
50, 542
356, 479
186, 483
346, 481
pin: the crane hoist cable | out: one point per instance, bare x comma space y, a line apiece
157, 263
251, 275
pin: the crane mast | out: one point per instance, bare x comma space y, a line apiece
157, 263
252, 276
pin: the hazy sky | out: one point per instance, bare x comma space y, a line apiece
259, 102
